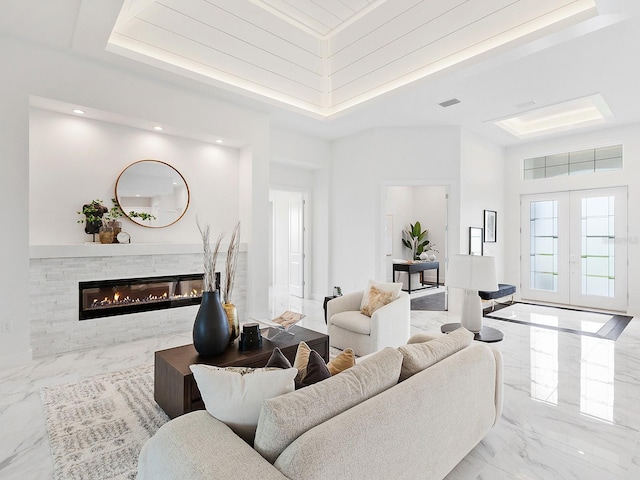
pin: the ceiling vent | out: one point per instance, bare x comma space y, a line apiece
448, 103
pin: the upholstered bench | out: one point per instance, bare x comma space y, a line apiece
504, 290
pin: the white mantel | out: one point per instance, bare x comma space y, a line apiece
90, 249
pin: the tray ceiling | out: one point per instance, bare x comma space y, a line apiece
325, 56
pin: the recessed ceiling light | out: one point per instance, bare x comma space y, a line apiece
219, 141
578, 113
158, 128
78, 111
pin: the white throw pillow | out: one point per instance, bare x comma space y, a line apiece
234, 395
385, 287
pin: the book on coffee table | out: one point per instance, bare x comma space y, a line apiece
280, 325
284, 321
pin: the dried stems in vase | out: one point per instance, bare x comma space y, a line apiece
210, 257
232, 263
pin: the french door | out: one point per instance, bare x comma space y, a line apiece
573, 248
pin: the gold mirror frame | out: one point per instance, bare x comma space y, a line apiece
173, 172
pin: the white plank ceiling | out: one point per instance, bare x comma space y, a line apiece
325, 56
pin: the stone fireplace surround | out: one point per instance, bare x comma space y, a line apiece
55, 271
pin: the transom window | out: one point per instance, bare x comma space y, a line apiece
601, 159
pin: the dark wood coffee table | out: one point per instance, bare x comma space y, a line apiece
175, 389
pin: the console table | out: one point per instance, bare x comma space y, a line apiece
417, 267
175, 389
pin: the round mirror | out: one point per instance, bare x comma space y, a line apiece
152, 193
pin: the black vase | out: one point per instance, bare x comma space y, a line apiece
211, 328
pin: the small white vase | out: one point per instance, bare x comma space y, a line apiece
424, 256
432, 258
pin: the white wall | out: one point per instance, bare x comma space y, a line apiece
629, 176
364, 165
482, 187
83, 158
15, 345
68, 78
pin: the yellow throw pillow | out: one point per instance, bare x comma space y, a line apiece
377, 298
344, 360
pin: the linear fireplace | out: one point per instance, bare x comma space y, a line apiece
106, 298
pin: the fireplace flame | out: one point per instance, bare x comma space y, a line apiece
120, 299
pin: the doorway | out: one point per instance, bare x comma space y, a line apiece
404, 205
289, 238
573, 248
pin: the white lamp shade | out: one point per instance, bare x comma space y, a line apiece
472, 272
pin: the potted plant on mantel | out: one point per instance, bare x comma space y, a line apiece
116, 212
93, 213
103, 221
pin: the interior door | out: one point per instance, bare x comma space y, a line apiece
296, 245
573, 249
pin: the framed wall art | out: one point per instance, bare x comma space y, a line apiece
490, 229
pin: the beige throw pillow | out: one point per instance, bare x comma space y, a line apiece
385, 287
376, 299
343, 361
418, 356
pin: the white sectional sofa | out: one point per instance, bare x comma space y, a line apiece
359, 424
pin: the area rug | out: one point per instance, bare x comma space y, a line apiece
434, 302
98, 426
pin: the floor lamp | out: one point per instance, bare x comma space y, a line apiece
472, 273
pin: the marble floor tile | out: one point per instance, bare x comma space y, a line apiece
570, 402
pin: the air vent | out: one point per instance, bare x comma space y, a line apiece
530, 103
448, 103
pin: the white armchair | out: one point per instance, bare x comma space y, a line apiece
389, 326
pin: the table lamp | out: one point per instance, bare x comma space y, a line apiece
472, 273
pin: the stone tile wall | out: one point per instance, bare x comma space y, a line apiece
54, 300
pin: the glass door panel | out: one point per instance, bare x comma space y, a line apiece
599, 278
543, 246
